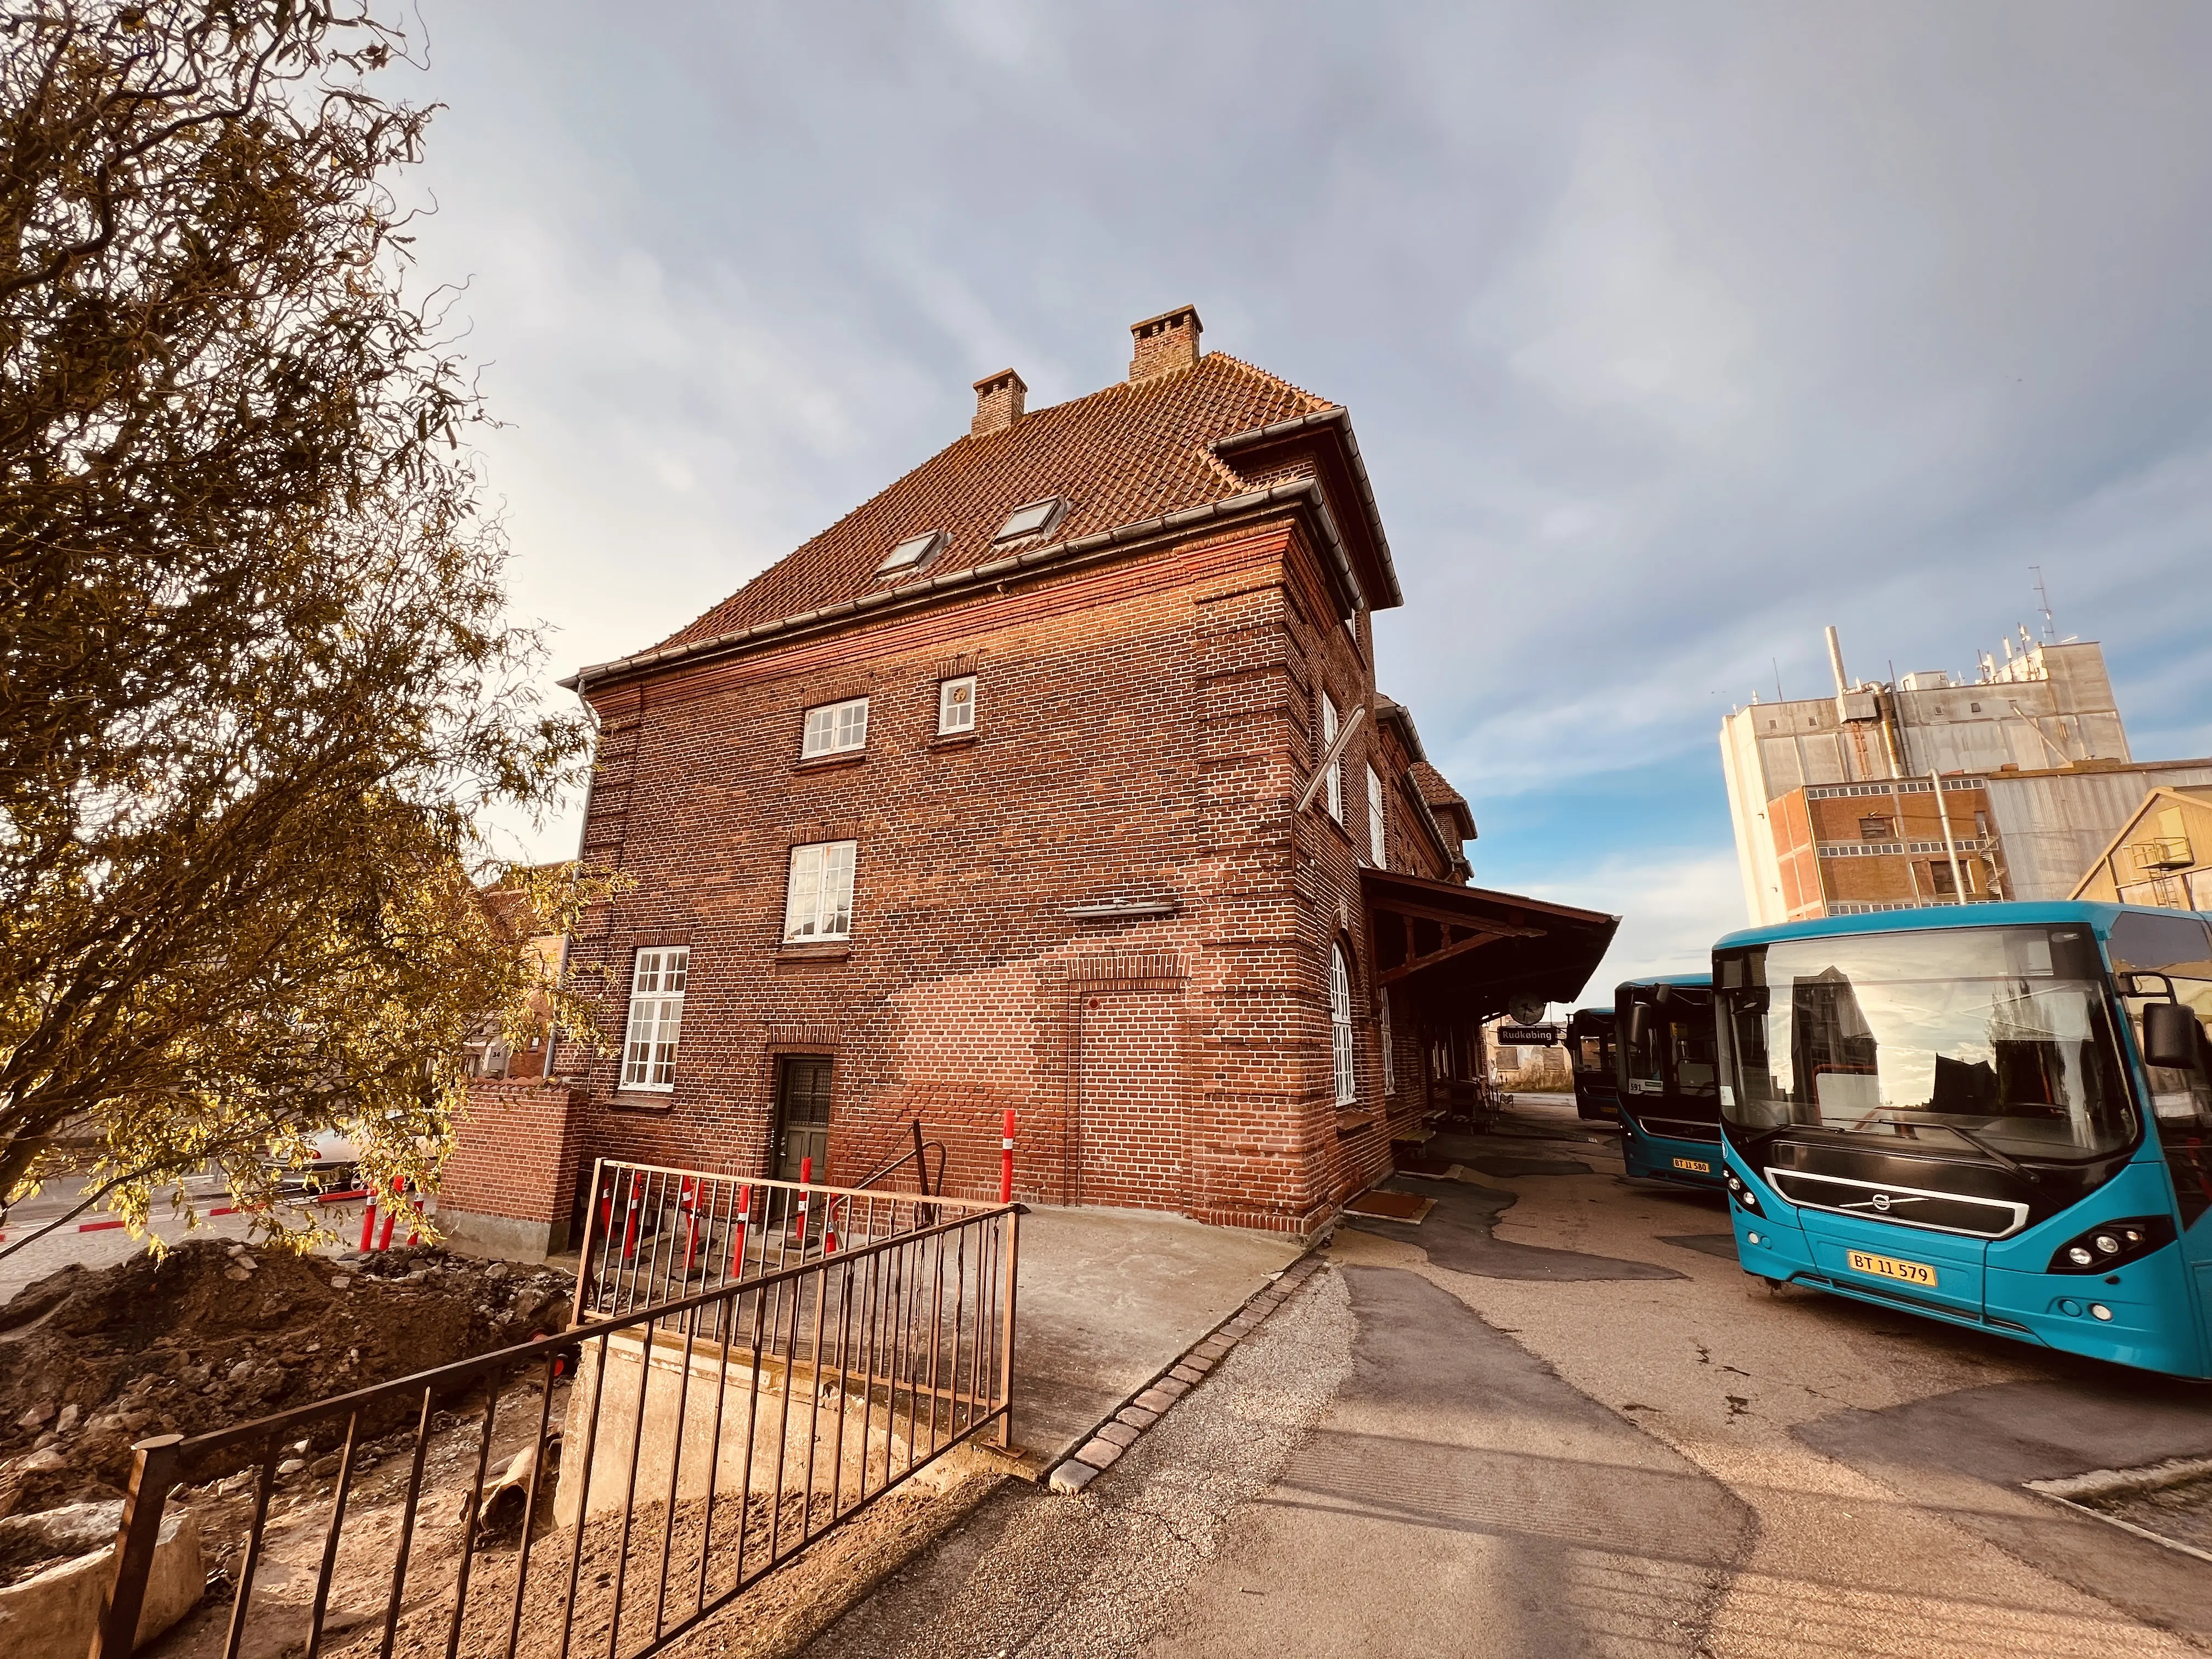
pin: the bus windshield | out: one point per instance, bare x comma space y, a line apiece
1674, 1052
1993, 1040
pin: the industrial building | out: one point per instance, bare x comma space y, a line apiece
1937, 788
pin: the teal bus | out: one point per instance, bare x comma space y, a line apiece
1997, 1115
1667, 1078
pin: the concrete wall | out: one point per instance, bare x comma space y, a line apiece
844, 1431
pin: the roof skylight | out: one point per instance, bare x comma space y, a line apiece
911, 551
1033, 520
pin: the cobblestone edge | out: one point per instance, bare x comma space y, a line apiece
1120, 1428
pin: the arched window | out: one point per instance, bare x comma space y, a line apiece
1339, 1025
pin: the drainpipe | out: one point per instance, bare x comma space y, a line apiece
1950, 847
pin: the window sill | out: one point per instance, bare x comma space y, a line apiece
953, 740
831, 763
1353, 1123
828, 950
633, 1100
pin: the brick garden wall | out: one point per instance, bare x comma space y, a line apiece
516, 1153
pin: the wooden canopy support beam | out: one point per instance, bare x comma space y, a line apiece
1474, 942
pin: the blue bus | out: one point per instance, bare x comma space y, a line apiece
1669, 1079
1591, 1054
1997, 1115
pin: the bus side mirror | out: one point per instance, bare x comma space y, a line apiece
2170, 1034
1639, 1024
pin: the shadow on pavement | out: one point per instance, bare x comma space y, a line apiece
1457, 1235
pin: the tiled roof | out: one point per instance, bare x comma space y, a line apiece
1442, 800
1133, 452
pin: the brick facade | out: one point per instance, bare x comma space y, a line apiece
1846, 847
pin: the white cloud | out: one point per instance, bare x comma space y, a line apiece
1672, 911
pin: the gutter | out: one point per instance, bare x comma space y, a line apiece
1305, 492
1338, 417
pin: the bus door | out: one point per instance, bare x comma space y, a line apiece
2178, 948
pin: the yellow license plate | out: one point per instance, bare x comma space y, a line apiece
1692, 1164
1888, 1266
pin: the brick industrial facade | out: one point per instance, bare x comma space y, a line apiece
1057, 861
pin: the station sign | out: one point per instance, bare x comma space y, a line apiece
1528, 1037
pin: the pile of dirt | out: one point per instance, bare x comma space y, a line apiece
91, 1360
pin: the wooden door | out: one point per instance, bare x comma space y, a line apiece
802, 1116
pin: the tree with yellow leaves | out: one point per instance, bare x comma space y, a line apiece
258, 688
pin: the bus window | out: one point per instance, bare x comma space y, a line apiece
1696, 1066
2177, 947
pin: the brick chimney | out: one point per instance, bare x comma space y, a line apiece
998, 400
1165, 342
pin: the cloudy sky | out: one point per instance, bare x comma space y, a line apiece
1670, 333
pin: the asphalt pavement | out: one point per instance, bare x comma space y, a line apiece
1556, 1418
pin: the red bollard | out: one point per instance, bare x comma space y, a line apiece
829, 1228
1006, 1160
744, 1218
391, 1216
805, 1180
368, 1219
629, 1229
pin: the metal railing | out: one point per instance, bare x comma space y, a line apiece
652, 1233
658, 1461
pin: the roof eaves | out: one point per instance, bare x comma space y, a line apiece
1398, 714
1300, 491
1338, 417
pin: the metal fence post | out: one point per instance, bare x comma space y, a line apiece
1006, 1326
584, 1255
153, 1473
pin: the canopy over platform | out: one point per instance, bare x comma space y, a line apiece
1473, 950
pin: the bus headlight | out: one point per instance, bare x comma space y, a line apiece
2114, 1245
1739, 1190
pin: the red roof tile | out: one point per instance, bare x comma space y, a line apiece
1131, 453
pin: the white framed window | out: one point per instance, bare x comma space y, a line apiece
817, 902
836, 728
1334, 791
1389, 1058
1378, 847
1340, 1026
956, 706
656, 1016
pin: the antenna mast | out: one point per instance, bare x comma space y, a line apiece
2049, 633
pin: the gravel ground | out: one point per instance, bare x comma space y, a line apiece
1069, 1578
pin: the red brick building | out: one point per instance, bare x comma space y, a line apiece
1054, 777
